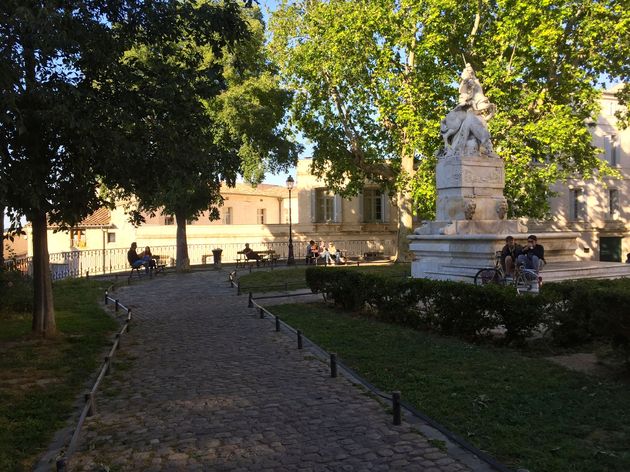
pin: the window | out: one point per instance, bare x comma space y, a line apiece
227, 216
613, 202
611, 149
577, 204
111, 237
373, 206
324, 205
260, 216
169, 220
77, 238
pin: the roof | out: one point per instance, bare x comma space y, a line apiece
101, 217
266, 190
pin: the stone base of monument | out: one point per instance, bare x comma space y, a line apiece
460, 256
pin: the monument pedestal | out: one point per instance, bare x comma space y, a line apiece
471, 224
471, 210
470, 188
460, 256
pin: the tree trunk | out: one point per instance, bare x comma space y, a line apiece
1, 237
183, 261
405, 211
43, 309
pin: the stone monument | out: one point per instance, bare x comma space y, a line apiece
471, 212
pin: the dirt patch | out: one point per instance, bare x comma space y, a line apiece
584, 362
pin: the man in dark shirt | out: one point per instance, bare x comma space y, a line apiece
135, 260
533, 255
509, 253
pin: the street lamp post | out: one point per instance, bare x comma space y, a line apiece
290, 257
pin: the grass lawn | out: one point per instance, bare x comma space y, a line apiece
526, 412
272, 280
41, 380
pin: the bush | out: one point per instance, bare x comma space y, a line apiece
462, 310
574, 312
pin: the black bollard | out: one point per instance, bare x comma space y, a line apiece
396, 407
333, 365
262, 313
116, 305
238, 289
250, 303
128, 324
117, 341
299, 337
277, 323
106, 297
61, 465
108, 365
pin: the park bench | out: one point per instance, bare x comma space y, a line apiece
266, 257
373, 256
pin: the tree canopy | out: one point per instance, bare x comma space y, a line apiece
198, 104
373, 80
50, 54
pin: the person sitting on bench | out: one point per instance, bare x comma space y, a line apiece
312, 252
250, 254
148, 256
135, 260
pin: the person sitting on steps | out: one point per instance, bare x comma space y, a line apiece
509, 253
533, 255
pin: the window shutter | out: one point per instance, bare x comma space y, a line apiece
385, 208
361, 199
337, 204
608, 146
314, 205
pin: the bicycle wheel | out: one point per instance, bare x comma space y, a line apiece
527, 281
487, 276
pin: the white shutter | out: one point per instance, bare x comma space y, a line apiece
314, 205
608, 145
360, 197
385, 208
337, 205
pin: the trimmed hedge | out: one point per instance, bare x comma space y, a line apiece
574, 312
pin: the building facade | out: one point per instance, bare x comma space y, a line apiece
255, 215
598, 210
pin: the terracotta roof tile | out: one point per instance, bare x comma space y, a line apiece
101, 217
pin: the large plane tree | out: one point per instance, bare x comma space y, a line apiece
200, 105
50, 55
373, 80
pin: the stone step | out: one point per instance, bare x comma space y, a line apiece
585, 270
553, 272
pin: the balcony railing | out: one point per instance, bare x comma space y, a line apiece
98, 261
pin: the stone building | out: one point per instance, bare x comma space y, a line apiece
599, 211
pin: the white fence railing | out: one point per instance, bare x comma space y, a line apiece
80, 263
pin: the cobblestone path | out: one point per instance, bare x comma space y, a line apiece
203, 384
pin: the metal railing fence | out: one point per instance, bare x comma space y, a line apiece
80, 263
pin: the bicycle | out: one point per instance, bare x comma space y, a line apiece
525, 280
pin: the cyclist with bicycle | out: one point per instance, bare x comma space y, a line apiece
533, 255
509, 253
